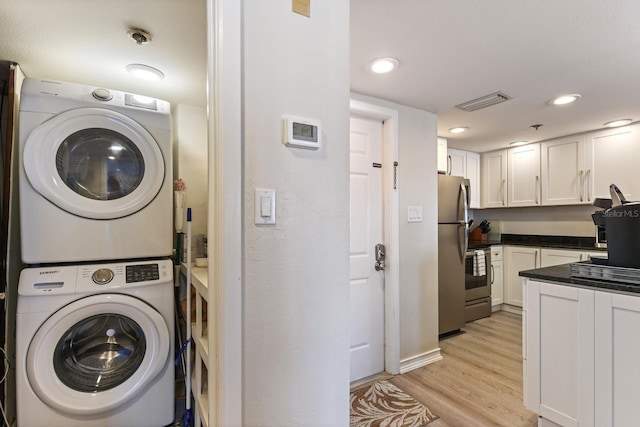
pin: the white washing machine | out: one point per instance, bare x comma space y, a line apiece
94, 345
95, 174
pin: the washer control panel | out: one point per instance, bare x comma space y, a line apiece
142, 273
77, 279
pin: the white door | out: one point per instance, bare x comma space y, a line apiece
366, 284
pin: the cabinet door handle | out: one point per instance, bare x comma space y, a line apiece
449, 165
493, 275
581, 185
504, 182
537, 189
587, 179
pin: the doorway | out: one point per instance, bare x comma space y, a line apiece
388, 118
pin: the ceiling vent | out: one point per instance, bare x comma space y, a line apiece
484, 101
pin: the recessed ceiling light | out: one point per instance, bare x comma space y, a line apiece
145, 72
516, 143
616, 123
383, 65
565, 99
458, 129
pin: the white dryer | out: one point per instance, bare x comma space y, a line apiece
95, 174
94, 345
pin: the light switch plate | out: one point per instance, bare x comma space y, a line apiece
414, 213
265, 206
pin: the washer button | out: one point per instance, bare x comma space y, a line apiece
102, 276
102, 94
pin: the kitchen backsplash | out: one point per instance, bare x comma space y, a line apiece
548, 220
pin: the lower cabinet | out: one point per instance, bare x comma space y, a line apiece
518, 258
580, 353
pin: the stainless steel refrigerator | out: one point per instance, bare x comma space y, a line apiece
453, 242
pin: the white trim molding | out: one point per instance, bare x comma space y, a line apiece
420, 360
224, 219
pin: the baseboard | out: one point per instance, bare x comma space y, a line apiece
420, 360
512, 309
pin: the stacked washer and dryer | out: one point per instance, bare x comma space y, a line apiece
94, 321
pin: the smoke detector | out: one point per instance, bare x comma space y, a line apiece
139, 36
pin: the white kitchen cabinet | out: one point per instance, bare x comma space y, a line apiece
613, 155
466, 164
617, 346
580, 356
494, 179
497, 276
559, 353
473, 174
549, 257
564, 171
517, 259
443, 165
457, 162
523, 182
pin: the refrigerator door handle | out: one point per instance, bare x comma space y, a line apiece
465, 218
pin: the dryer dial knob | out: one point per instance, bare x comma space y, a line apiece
102, 94
102, 276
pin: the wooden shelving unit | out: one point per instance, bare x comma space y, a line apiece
200, 337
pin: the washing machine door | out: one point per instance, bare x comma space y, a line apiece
94, 163
97, 353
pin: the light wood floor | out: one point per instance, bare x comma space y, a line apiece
479, 382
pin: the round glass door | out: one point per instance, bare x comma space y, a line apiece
97, 353
94, 163
100, 164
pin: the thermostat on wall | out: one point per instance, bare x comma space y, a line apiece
301, 132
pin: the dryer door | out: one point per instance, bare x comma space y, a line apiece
94, 163
97, 354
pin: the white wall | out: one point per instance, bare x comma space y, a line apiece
190, 164
295, 314
417, 186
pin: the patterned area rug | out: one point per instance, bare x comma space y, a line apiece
385, 405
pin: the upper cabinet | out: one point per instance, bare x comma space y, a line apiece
612, 156
443, 165
523, 182
473, 174
570, 170
466, 164
565, 171
457, 161
494, 179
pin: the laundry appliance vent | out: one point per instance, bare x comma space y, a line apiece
484, 101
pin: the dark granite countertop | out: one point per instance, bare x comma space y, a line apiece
561, 274
558, 242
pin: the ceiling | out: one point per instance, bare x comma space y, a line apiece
86, 41
450, 52
453, 51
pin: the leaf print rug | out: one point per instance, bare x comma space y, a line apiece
385, 405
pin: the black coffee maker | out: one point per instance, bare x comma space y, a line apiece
622, 229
